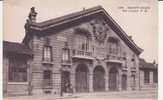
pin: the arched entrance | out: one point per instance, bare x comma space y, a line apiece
98, 79
82, 78
113, 78
124, 82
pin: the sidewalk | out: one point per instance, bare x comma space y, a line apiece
127, 95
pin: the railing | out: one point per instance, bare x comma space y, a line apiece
81, 53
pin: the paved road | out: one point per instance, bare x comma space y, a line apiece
134, 95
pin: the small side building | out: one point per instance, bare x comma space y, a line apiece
148, 75
16, 77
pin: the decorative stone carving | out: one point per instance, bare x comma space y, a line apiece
32, 15
31, 18
80, 30
100, 29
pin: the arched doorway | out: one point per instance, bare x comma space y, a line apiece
82, 78
98, 79
124, 82
113, 78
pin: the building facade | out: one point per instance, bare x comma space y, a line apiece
86, 51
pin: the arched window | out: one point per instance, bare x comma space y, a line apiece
82, 39
113, 45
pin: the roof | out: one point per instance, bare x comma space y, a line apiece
146, 65
16, 48
38, 28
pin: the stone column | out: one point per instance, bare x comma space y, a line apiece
29, 77
119, 81
106, 82
151, 77
129, 81
91, 81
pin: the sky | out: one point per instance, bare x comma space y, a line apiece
142, 26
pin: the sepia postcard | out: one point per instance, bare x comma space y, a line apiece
80, 49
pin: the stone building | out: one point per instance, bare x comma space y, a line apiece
87, 51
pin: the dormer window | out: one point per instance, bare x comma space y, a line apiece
47, 53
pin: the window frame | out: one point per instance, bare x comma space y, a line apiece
65, 55
50, 56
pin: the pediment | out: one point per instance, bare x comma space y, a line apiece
78, 17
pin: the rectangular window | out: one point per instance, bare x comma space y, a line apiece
17, 70
146, 77
47, 53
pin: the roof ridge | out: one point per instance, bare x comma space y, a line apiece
60, 18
